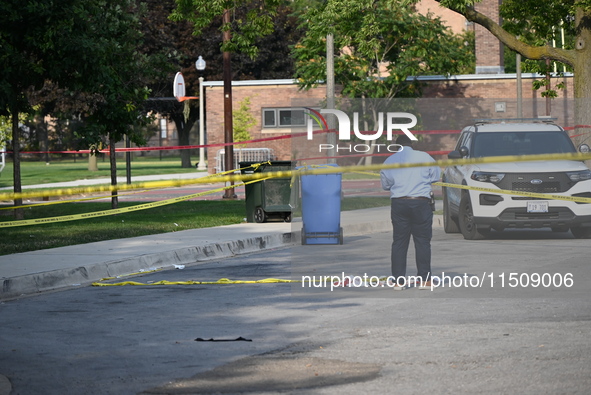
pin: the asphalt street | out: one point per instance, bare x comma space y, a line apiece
275, 337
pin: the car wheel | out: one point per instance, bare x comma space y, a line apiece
450, 225
259, 215
287, 218
581, 233
466, 221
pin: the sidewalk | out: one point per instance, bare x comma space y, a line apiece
80, 265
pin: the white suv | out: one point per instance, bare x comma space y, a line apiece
475, 213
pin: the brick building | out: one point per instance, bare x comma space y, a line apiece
447, 103
268, 98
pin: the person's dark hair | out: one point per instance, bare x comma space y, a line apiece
404, 140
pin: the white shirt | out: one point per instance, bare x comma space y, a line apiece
410, 181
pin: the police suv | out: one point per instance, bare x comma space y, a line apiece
475, 213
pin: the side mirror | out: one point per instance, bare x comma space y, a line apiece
584, 149
464, 151
454, 155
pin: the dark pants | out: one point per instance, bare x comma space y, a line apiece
411, 217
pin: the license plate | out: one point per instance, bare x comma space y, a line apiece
537, 207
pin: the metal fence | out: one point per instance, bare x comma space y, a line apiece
243, 155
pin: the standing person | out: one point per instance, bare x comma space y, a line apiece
411, 212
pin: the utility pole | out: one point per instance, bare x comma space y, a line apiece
330, 96
228, 126
519, 87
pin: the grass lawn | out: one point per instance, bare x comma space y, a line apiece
164, 219
38, 172
169, 218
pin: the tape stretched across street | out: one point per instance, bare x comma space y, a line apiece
254, 177
289, 173
518, 193
68, 201
104, 213
114, 211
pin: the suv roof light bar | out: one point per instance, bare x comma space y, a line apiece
491, 120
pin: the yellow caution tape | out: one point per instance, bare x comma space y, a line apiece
506, 191
132, 274
214, 178
69, 201
103, 213
518, 193
221, 281
368, 173
226, 281
256, 166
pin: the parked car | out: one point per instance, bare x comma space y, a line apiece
475, 213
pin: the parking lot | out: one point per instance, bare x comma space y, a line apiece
282, 337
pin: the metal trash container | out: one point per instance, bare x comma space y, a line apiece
267, 199
321, 207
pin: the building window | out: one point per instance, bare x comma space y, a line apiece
284, 117
269, 118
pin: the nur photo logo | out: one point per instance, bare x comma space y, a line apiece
345, 131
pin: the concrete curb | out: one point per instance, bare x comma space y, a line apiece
84, 275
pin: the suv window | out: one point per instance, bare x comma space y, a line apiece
464, 140
521, 143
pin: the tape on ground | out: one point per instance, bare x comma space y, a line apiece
221, 281
226, 281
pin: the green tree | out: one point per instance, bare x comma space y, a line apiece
40, 41
251, 20
122, 82
85, 50
183, 48
378, 46
529, 26
243, 121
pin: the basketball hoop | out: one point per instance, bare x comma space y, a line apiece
178, 88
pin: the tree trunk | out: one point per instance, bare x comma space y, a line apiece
184, 140
19, 213
369, 158
113, 161
183, 127
582, 80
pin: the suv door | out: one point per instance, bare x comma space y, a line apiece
455, 174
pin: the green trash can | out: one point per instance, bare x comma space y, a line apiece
267, 199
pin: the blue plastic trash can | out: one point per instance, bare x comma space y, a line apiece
321, 207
